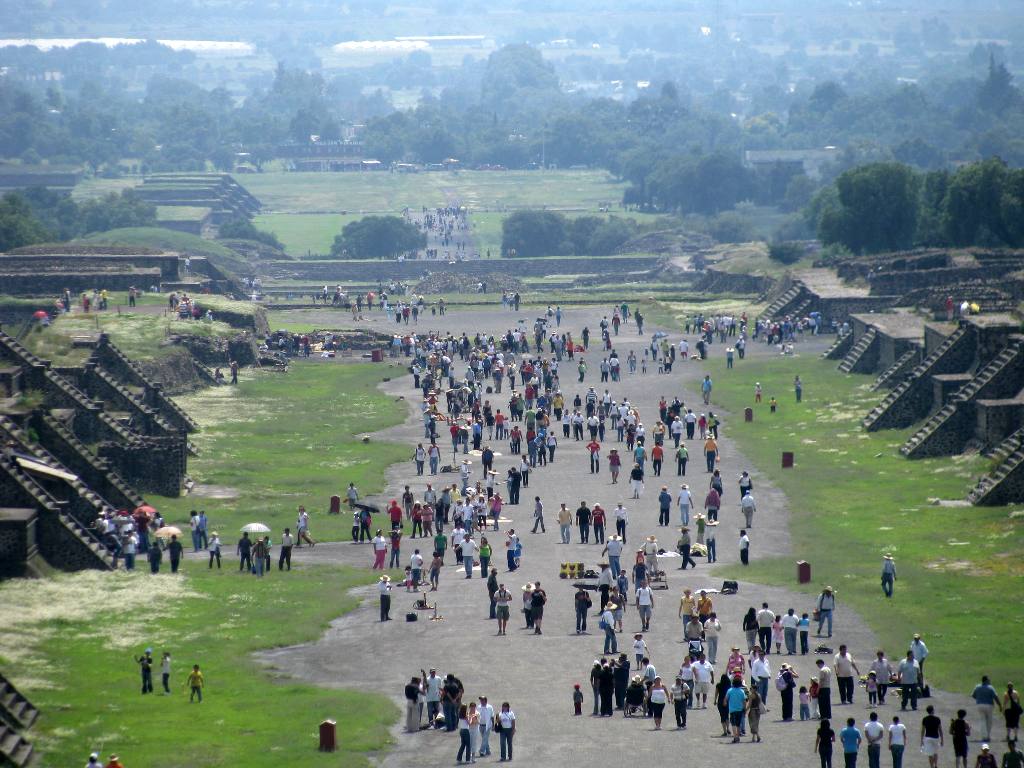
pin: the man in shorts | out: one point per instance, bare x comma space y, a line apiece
932, 739
737, 700
703, 674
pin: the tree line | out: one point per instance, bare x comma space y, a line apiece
891, 206
39, 215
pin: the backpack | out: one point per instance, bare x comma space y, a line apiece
781, 683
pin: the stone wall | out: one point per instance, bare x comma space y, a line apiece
21, 284
151, 464
17, 541
60, 547
997, 419
716, 281
362, 270
58, 259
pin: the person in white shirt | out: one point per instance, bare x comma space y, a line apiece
486, 713
384, 590
685, 502
761, 671
380, 548
873, 733
748, 507
712, 630
507, 719
790, 624
844, 666
644, 604
621, 520
897, 742
765, 618
416, 563
703, 675
469, 550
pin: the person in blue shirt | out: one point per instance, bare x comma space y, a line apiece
736, 698
851, 738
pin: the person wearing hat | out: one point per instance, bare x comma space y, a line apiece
384, 590
114, 762
683, 548
826, 604
94, 761
888, 575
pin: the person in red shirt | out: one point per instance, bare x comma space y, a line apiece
657, 457
395, 513
595, 456
597, 518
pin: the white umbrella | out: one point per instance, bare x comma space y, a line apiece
167, 531
256, 528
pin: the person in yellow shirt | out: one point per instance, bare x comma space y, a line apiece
711, 452
687, 606
195, 684
704, 607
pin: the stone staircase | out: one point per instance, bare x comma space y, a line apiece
839, 348
75, 455
947, 431
33, 494
163, 402
1008, 445
86, 503
205, 372
897, 409
15, 749
1003, 485
782, 302
868, 339
17, 715
132, 402
16, 710
890, 376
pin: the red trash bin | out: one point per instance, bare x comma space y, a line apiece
328, 736
803, 572
335, 505
748, 414
377, 355
787, 459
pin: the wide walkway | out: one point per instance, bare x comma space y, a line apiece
536, 673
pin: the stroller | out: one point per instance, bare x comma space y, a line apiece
635, 697
696, 649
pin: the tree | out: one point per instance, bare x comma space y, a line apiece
535, 233
878, 206
974, 205
378, 237
240, 228
997, 92
18, 224
786, 252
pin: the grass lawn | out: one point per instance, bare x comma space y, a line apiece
303, 233
284, 192
138, 335
279, 440
69, 643
672, 313
752, 259
170, 240
853, 498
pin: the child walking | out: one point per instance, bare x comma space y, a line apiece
195, 684
577, 700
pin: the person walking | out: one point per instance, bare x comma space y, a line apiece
824, 690
908, 675
873, 733
897, 741
851, 738
1011, 712
287, 542
502, 608
888, 575
932, 738
736, 700
826, 604
564, 522
384, 591
607, 624
986, 699
823, 741
506, 728
538, 515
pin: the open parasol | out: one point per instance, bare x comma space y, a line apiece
167, 531
255, 528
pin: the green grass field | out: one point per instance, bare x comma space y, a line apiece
70, 642
853, 498
283, 192
303, 233
279, 440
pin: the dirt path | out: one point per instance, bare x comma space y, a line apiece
536, 673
